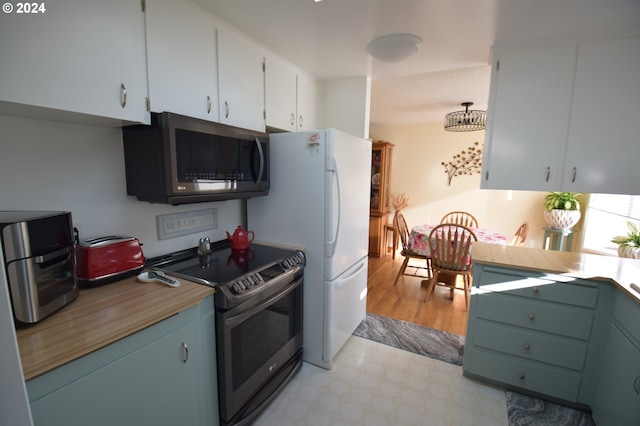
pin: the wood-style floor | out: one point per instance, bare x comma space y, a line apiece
405, 301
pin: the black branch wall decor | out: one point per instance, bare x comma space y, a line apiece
468, 162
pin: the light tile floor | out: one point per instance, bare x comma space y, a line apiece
374, 384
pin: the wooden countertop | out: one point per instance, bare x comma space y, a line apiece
99, 317
619, 271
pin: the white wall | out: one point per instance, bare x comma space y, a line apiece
416, 170
47, 165
346, 105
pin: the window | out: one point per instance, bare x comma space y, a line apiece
606, 217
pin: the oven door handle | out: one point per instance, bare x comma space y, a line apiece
231, 321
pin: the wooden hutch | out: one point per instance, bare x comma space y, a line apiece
379, 197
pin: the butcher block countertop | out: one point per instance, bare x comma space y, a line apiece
618, 271
99, 317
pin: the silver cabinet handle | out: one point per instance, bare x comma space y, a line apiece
548, 174
486, 175
293, 119
208, 104
636, 385
573, 175
532, 316
123, 95
185, 352
226, 109
301, 121
526, 347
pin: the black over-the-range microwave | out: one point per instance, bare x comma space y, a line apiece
180, 160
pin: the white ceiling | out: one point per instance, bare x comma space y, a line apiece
329, 40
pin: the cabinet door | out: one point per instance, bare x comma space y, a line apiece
528, 115
182, 59
618, 396
280, 93
241, 81
85, 57
150, 386
308, 101
603, 141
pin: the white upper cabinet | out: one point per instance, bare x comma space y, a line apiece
308, 98
529, 107
280, 93
604, 146
84, 57
560, 118
182, 59
240, 80
291, 96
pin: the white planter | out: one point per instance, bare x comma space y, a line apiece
562, 219
629, 252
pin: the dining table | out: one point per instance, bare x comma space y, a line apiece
419, 238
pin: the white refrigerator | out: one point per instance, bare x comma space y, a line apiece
319, 201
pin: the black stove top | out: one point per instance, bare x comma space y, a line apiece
232, 271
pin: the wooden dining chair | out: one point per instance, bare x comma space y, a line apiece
521, 235
451, 254
460, 218
401, 224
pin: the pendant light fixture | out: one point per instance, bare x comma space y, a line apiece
465, 121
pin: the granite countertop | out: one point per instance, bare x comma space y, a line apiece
618, 271
99, 317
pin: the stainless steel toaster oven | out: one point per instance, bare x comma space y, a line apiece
39, 261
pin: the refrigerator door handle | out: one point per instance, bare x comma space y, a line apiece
345, 280
330, 247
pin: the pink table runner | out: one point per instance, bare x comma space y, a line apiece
419, 238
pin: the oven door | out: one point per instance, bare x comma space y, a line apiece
259, 350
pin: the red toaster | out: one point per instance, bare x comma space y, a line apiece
106, 259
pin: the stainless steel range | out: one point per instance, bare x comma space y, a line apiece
258, 303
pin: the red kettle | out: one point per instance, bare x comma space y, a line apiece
240, 239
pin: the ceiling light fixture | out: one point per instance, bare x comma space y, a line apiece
394, 47
465, 121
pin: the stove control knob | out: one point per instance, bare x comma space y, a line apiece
237, 288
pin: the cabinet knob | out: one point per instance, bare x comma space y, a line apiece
522, 376
527, 347
123, 95
208, 104
185, 352
536, 290
532, 316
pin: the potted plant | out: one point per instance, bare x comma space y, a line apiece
629, 245
562, 209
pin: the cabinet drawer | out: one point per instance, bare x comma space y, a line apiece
548, 288
546, 317
531, 346
627, 313
550, 381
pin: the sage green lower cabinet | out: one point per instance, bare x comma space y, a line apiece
162, 375
618, 391
536, 333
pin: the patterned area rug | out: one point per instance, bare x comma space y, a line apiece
522, 410
411, 337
